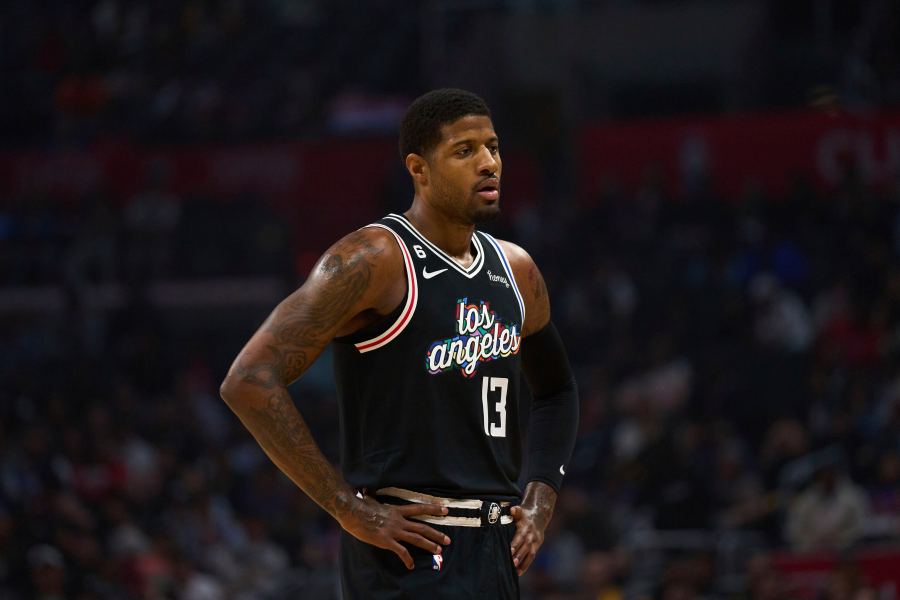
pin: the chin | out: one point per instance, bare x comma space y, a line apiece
485, 214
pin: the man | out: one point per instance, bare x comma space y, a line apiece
432, 323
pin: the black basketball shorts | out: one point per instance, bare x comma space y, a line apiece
476, 564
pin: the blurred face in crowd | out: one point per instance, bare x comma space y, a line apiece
828, 479
462, 173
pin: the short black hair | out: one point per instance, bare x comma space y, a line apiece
420, 130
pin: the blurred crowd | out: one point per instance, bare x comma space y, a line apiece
739, 361
740, 367
191, 70
738, 358
198, 70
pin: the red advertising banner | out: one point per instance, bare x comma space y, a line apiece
735, 152
808, 574
273, 170
324, 187
322, 180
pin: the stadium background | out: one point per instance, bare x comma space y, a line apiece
711, 188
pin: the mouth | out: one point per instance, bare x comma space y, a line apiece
489, 189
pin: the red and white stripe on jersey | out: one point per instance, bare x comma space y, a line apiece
412, 298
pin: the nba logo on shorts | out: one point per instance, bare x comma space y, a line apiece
436, 562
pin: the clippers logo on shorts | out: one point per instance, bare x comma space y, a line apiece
481, 337
494, 513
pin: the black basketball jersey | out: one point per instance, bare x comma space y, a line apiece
429, 396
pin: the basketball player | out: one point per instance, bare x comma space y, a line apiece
432, 323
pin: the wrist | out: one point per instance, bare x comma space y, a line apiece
346, 504
539, 494
540, 500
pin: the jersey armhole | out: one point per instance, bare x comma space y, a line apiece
378, 334
508, 268
373, 330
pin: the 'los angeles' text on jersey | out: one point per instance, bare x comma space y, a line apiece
429, 396
480, 337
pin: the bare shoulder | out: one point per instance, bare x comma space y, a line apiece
515, 253
365, 265
348, 286
531, 286
373, 247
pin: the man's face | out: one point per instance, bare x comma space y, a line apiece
465, 171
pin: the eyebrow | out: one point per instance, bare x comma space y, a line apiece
492, 139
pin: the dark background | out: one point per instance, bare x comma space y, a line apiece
710, 188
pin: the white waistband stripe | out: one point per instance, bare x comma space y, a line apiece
459, 521
449, 520
421, 498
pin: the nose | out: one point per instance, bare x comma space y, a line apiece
488, 164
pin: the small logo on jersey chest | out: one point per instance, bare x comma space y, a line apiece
437, 561
498, 280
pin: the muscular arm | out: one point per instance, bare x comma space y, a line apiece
354, 282
554, 414
531, 286
283, 348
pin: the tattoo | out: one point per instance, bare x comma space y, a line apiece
300, 328
537, 302
363, 512
538, 287
283, 425
301, 323
286, 365
286, 438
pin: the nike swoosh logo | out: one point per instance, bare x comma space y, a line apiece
429, 274
561, 470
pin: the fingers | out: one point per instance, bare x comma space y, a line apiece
428, 532
525, 562
417, 540
523, 554
408, 510
517, 540
524, 544
415, 533
403, 553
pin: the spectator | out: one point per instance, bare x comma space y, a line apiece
48, 573
782, 319
829, 515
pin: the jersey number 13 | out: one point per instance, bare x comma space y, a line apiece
489, 387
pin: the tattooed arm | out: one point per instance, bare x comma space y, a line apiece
358, 280
554, 413
532, 287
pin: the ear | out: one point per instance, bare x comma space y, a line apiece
417, 167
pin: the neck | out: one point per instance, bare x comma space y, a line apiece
450, 236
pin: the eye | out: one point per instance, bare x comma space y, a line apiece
494, 148
462, 152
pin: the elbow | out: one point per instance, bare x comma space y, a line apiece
245, 381
228, 390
